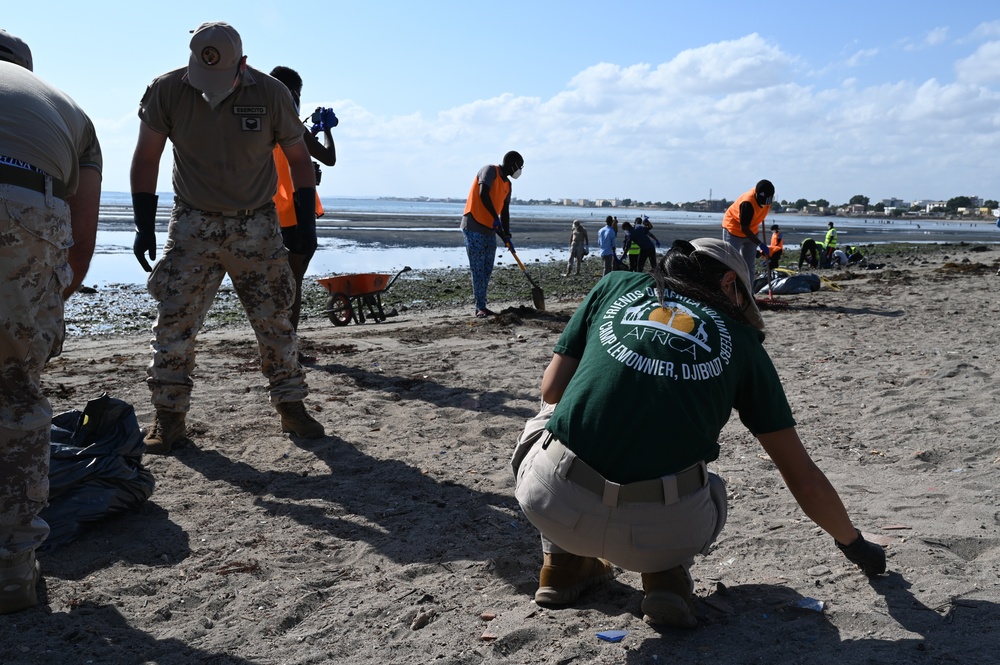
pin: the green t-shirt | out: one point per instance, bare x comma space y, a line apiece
655, 385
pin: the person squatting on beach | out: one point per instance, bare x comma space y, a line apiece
776, 247
223, 119
742, 220
579, 245
300, 240
50, 192
487, 214
636, 492
606, 240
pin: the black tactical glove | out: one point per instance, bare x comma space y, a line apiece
305, 221
144, 214
869, 557
289, 238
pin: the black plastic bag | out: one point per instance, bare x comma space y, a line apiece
788, 284
95, 468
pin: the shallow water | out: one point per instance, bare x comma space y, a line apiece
383, 235
114, 262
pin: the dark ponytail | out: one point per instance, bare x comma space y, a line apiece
695, 276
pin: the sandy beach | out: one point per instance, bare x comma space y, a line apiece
397, 538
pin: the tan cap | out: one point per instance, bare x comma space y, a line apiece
13, 49
216, 51
724, 253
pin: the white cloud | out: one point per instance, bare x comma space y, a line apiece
743, 64
983, 66
861, 56
718, 117
934, 37
988, 30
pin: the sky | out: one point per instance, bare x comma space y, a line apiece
656, 100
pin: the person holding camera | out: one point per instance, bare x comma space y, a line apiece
300, 239
487, 214
638, 493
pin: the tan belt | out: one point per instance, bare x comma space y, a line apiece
33, 180
248, 212
666, 489
245, 212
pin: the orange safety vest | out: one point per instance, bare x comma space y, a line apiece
777, 242
731, 220
498, 195
283, 201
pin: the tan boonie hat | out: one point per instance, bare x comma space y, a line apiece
216, 51
724, 253
13, 49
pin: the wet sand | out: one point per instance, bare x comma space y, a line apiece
554, 233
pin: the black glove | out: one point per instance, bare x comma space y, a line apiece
289, 237
144, 214
305, 221
869, 557
498, 228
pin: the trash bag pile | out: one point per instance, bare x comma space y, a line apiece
95, 468
787, 284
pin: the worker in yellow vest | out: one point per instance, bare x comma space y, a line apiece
831, 240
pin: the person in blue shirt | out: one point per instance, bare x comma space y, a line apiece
606, 239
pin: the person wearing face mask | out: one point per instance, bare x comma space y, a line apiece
487, 214
742, 221
300, 240
224, 119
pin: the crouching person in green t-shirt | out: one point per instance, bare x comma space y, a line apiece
637, 493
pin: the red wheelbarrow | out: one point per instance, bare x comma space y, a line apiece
350, 295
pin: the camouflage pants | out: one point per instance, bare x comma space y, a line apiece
200, 249
35, 236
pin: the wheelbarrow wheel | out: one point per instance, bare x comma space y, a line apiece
339, 309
